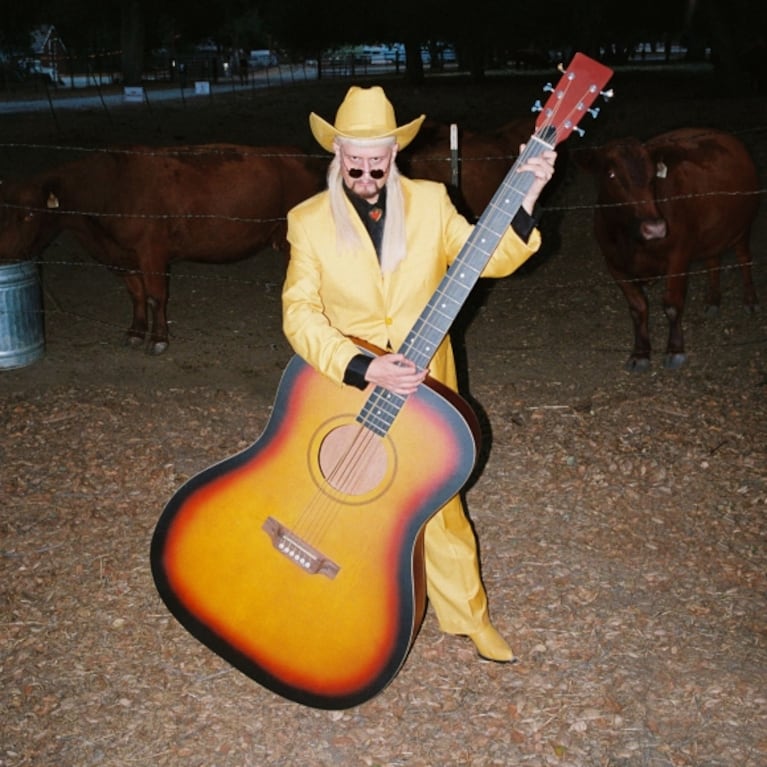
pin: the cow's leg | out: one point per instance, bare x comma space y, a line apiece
673, 307
156, 282
743, 257
639, 361
138, 329
714, 292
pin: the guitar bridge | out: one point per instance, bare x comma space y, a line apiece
298, 551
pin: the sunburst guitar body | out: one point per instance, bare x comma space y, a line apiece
298, 560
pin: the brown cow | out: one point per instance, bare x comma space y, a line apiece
138, 210
684, 196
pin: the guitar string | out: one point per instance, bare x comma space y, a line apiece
345, 476
352, 466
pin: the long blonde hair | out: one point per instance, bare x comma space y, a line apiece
394, 245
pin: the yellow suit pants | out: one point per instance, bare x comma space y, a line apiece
453, 583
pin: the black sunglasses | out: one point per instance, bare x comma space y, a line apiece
375, 173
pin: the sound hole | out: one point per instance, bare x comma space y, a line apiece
352, 459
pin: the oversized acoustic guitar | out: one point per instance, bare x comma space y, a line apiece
299, 559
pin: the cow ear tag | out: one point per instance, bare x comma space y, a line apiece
52, 201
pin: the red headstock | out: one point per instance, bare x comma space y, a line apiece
579, 87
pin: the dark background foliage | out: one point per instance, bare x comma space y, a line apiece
482, 31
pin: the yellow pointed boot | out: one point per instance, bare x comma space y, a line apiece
491, 645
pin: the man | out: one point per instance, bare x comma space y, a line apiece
366, 256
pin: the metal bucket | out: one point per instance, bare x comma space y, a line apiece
22, 340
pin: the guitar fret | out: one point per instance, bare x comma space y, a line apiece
380, 410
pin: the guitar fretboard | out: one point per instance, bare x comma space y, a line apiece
434, 322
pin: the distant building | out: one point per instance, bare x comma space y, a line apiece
48, 49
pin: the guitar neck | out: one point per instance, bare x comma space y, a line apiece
435, 320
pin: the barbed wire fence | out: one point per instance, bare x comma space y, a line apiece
73, 258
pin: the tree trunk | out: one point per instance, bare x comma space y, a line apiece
476, 61
413, 63
132, 39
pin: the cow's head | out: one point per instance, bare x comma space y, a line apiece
26, 223
625, 173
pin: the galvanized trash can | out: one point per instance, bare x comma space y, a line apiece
22, 339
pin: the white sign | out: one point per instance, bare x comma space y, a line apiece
133, 94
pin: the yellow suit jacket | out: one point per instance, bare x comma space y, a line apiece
328, 296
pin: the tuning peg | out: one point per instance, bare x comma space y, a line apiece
594, 112
607, 95
549, 88
568, 125
537, 106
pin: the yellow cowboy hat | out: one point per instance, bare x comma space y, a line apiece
365, 113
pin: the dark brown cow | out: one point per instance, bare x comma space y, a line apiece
684, 196
484, 160
138, 210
